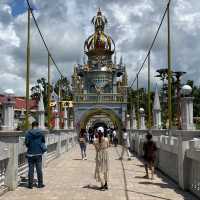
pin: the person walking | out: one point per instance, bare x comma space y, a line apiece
125, 145
115, 139
91, 135
83, 143
35, 143
101, 144
149, 148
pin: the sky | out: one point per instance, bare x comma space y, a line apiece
66, 24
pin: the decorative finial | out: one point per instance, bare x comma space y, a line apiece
99, 21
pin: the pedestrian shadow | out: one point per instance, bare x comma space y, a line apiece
150, 195
77, 159
92, 187
162, 185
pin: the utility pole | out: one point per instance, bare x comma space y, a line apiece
149, 91
138, 103
49, 92
28, 71
169, 68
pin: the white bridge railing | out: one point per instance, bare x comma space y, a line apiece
13, 162
178, 155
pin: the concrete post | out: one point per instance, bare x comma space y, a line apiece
8, 113
11, 177
187, 113
41, 111
183, 146
65, 119
156, 111
142, 119
133, 119
128, 124
57, 121
71, 124
58, 148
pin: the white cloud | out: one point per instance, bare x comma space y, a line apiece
66, 25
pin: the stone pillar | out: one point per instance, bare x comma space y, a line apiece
183, 176
128, 124
142, 119
71, 124
157, 111
41, 111
133, 119
56, 117
8, 112
65, 119
11, 175
57, 121
187, 113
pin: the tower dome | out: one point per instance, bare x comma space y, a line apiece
99, 43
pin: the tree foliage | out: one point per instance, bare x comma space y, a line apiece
62, 83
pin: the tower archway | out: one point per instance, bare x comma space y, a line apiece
117, 122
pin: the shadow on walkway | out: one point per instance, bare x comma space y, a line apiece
150, 195
124, 176
92, 187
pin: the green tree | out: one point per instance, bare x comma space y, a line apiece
65, 90
35, 91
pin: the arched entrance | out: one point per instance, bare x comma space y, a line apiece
100, 111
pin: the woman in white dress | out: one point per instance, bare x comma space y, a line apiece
101, 144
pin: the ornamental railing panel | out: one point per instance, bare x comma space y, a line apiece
101, 98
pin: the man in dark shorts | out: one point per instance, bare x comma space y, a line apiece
149, 149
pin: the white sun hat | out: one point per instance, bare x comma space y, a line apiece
100, 129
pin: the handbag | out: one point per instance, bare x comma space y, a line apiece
43, 147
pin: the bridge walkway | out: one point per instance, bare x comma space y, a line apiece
70, 178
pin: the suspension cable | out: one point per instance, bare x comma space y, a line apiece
43, 40
152, 44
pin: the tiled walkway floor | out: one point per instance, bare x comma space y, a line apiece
69, 178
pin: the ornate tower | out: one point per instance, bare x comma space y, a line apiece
99, 84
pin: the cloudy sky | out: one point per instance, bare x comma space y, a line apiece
66, 24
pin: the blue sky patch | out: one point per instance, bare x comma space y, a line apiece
19, 6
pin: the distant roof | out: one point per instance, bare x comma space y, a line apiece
20, 102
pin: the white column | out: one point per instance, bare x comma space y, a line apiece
41, 111
57, 121
142, 121
65, 119
157, 111
157, 119
133, 119
128, 124
8, 113
11, 176
187, 113
71, 124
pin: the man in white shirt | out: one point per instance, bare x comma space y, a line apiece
125, 145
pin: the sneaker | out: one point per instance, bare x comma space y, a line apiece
129, 158
85, 158
41, 186
30, 187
